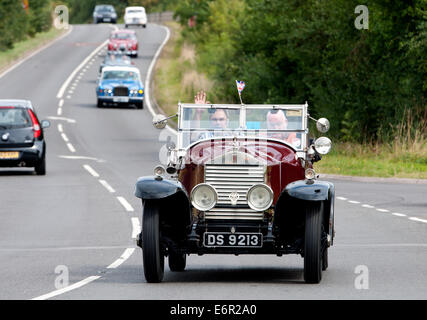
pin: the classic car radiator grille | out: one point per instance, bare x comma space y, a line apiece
233, 179
121, 91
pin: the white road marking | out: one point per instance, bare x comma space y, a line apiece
35, 52
148, 77
61, 103
355, 202
68, 97
71, 147
399, 214
82, 158
125, 204
128, 252
63, 135
368, 206
60, 129
383, 210
417, 219
136, 227
341, 198
59, 111
62, 118
90, 170
68, 288
72, 75
107, 186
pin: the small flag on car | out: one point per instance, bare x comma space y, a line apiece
240, 86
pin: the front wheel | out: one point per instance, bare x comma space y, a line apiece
40, 168
140, 105
313, 243
152, 256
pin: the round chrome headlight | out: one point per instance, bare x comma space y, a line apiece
323, 145
310, 174
159, 170
203, 197
260, 197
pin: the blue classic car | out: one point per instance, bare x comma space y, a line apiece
119, 85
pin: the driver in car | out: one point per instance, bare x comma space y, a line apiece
276, 120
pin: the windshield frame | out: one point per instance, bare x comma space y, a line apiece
242, 121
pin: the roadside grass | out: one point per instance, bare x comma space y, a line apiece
374, 161
23, 48
177, 78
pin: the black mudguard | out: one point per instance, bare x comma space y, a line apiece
173, 202
292, 199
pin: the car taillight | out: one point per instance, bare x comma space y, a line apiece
36, 125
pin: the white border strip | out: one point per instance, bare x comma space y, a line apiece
68, 288
148, 78
90, 170
128, 252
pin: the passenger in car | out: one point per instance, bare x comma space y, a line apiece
276, 120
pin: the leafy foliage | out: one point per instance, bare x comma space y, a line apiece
295, 51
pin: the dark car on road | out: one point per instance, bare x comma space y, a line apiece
22, 142
239, 179
104, 13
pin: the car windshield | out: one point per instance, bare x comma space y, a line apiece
123, 36
104, 9
135, 11
281, 122
120, 75
11, 117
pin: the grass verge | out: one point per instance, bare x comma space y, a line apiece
23, 48
175, 75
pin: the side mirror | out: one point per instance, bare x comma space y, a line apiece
322, 125
159, 121
45, 124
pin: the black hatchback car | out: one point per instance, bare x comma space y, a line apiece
22, 142
104, 13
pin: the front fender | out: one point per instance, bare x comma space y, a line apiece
149, 188
304, 190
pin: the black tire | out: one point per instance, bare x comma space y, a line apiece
152, 255
99, 104
140, 105
313, 243
325, 259
40, 168
126, 26
177, 262
144, 26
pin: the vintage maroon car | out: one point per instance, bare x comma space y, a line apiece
238, 179
123, 41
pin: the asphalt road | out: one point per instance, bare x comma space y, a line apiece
80, 218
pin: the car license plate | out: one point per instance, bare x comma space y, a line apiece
235, 240
107, 19
121, 99
9, 155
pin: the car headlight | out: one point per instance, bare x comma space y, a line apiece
323, 145
203, 197
260, 197
310, 174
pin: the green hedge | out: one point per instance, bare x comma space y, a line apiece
16, 24
292, 51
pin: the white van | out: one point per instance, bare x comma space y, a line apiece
135, 16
